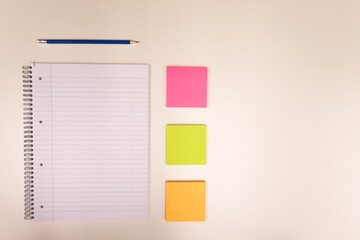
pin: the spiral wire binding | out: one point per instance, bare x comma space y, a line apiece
28, 143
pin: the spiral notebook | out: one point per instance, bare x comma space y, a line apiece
86, 141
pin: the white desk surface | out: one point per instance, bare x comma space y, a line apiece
283, 115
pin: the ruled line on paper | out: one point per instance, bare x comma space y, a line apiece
75, 211
89, 85
99, 78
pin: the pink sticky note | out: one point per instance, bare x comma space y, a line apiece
186, 87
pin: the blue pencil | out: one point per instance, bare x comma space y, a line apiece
85, 41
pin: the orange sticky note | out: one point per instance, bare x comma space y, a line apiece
185, 201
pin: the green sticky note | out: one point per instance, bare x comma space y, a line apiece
186, 144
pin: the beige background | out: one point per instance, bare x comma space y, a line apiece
283, 116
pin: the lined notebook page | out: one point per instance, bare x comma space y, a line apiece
90, 138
